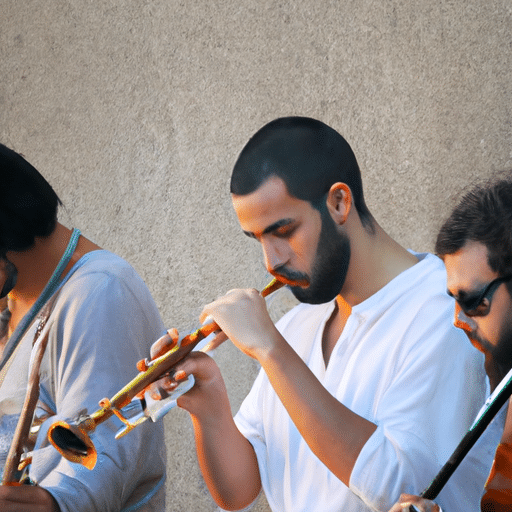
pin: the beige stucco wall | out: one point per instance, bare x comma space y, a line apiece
135, 111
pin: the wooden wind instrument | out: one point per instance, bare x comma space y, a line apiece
71, 439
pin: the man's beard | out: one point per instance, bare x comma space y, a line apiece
329, 268
501, 355
498, 357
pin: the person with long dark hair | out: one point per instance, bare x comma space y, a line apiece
97, 318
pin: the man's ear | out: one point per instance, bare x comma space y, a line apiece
339, 202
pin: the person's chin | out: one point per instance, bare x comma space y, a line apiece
302, 295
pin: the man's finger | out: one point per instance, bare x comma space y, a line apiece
165, 343
218, 340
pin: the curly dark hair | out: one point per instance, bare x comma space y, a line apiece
28, 203
483, 215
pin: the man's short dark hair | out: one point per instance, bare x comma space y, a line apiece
483, 215
28, 203
307, 155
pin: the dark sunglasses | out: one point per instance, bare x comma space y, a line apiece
479, 304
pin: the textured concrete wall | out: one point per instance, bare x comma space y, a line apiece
135, 111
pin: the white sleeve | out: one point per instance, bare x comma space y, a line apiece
424, 413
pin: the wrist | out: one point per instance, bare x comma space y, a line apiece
274, 350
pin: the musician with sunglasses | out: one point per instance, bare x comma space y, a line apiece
476, 246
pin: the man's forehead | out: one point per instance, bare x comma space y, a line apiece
273, 188
468, 268
266, 205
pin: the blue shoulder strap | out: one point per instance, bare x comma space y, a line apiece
48, 291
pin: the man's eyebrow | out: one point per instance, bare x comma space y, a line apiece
273, 227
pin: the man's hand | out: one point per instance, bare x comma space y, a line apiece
209, 387
406, 500
227, 460
243, 317
160, 388
26, 498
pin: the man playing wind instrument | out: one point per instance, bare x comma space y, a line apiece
366, 387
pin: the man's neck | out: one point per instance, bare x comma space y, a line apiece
376, 259
37, 265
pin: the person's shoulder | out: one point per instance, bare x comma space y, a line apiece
429, 266
426, 279
102, 261
106, 284
409, 291
103, 273
429, 307
104, 265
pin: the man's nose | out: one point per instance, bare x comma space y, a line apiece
462, 321
274, 255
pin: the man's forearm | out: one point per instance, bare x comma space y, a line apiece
333, 432
228, 463
26, 498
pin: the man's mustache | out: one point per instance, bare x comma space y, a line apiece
291, 277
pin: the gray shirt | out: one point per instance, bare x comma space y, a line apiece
102, 322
